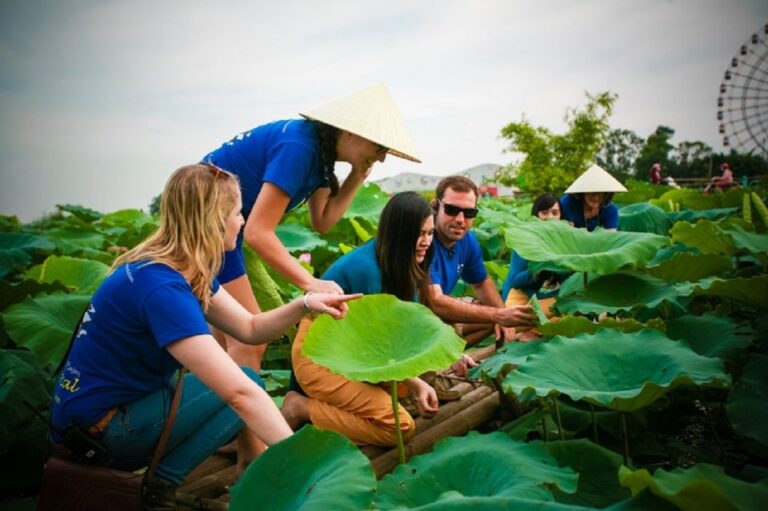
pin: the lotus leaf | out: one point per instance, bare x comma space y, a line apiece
453, 502
264, 288
747, 241
704, 235
752, 290
688, 267
692, 215
570, 326
511, 354
748, 401
135, 218
16, 249
644, 217
71, 241
45, 323
312, 469
702, 487
624, 372
298, 238
360, 230
82, 276
382, 339
669, 252
368, 203
477, 465
555, 245
541, 316
598, 472
85, 214
710, 335
15, 292
621, 292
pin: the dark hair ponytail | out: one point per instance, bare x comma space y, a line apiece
327, 137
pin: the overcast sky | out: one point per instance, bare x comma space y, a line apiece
101, 100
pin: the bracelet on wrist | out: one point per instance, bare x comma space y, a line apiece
307, 308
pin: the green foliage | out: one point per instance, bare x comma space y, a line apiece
644, 217
748, 403
79, 275
656, 150
619, 152
594, 368
554, 161
383, 339
312, 469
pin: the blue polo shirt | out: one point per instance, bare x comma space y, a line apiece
357, 271
464, 260
119, 354
573, 211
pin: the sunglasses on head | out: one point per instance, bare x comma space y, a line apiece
216, 171
452, 210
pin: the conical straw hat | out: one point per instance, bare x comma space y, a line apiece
595, 179
371, 114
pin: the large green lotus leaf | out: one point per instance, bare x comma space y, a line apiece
669, 252
16, 249
85, 214
702, 487
693, 199
689, 267
753, 290
15, 292
133, 217
71, 241
361, 232
311, 469
264, 288
704, 235
452, 502
749, 242
571, 326
644, 217
477, 465
710, 335
624, 372
598, 473
368, 203
44, 324
620, 292
556, 245
511, 354
382, 339
298, 238
692, 215
747, 406
81, 276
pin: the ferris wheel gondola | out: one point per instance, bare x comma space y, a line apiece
742, 105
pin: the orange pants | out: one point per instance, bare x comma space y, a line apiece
360, 411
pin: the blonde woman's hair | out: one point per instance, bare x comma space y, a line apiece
194, 207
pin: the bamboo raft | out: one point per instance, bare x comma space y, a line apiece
206, 487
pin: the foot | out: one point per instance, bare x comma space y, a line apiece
295, 409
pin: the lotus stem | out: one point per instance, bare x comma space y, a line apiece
586, 279
626, 437
594, 423
398, 431
544, 419
559, 422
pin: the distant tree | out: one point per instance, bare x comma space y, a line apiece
154, 206
656, 150
552, 161
618, 154
692, 159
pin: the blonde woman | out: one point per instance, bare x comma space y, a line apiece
149, 317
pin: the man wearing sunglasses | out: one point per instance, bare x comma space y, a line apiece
457, 254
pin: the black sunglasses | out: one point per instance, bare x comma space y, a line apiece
452, 210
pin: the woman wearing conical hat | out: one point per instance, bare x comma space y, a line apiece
587, 202
282, 164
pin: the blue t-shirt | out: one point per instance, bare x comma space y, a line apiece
357, 271
284, 153
573, 211
119, 354
520, 277
463, 260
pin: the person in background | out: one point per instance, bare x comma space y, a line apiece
655, 175
395, 262
520, 284
458, 256
721, 182
282, 164
149, 317
587, 202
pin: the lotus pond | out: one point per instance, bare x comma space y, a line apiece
648, 393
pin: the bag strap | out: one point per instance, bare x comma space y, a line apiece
166, 433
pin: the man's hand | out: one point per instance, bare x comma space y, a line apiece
504, 333
519, 315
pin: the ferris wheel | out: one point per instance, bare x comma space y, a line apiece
742, 106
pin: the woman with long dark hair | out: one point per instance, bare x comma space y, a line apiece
395, 262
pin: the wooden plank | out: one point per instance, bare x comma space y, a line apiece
213, 485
